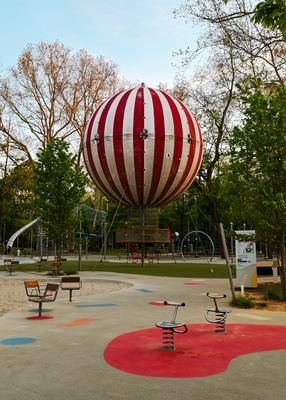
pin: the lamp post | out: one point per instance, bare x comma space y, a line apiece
177, 240
105, 240
4, 237
231, 242
80, 239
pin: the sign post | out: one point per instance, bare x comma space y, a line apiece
245, 253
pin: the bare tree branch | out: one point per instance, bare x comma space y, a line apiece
52, 93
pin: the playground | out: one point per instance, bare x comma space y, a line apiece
142, 211
151, 325
105, 343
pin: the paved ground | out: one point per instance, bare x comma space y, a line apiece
67, 362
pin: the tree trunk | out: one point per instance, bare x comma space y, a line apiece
215, 213
58, 251
2, 200
282, 267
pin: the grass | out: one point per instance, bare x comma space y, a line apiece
186, 270
273, 293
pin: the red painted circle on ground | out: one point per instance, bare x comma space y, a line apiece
200, 352
157, 303
42, 317
193, 283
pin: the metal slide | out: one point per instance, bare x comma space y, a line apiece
19, 232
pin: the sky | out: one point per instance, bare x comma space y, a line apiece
140, 36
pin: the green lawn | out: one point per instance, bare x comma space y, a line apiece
186, 270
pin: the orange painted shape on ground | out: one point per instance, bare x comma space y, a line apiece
78, 322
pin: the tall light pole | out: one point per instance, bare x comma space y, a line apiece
4, 237
80, 240
105, 240
231, 242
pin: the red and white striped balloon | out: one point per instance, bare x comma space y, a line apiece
142, 147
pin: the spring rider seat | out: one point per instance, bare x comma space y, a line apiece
169, 328
217, 315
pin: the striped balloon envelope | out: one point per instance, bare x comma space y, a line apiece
142, 147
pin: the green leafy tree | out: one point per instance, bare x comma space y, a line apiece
59, 186
16, 199
236, 50
271, 14
259, 164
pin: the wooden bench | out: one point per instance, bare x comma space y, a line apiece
133, 257
10, 265
37, 295
267, 265
70, 283
151, 257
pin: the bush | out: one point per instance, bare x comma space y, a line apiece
69, 269
242, 302
273, 293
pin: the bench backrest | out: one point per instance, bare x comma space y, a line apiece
51, 291
264, 263
70, 279
70, 282
32, 288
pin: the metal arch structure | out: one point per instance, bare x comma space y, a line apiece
203, 233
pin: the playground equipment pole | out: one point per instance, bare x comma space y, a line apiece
231, 242
4, 237
80, 241
104, 240
227, 260
143, 237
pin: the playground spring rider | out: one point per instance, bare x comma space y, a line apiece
217, 315
169, 328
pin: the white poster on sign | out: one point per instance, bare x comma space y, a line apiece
245, 253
